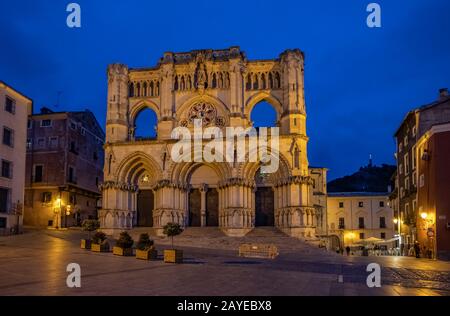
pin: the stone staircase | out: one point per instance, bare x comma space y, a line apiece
202, 232
214, 238
265, 231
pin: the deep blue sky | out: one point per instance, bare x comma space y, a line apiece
360, 82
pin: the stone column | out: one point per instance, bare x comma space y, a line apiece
203, 190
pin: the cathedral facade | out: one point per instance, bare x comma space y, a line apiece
143, 185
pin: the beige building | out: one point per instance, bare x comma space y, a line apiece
145, 187
353, 217
14, 109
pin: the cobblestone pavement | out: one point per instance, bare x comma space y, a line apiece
35, 264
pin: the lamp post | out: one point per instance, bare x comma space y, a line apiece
68, 208
430, 233
57, 206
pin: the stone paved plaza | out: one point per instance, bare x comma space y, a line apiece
35, 264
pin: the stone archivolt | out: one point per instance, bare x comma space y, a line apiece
219, 87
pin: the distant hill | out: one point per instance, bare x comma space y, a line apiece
367, 179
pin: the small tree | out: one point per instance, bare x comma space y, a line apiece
172, 230
144, 243
90, 225
99, 238
125, 241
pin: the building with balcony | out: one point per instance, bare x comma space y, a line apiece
415, 124
64, 168
356, 216
14, 110
433, 189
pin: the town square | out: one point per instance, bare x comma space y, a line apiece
206, 151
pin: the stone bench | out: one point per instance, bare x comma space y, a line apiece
265, 251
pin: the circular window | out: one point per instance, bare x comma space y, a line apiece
204, 112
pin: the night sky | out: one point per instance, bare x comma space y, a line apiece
360, 82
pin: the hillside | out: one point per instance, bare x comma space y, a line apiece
367, 179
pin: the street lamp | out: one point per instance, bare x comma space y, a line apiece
430, 233
68, 208
57, 206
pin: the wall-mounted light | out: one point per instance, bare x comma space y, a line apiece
424, 215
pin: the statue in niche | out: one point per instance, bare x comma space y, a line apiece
201, 76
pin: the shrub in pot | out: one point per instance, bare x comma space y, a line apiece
124, 245
145, 249
99, 242
173, 255
89, 225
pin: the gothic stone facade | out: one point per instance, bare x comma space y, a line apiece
145, 187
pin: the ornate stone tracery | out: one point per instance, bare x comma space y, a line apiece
204, 112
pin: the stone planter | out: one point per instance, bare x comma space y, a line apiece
85, 244
173, 256
100, 247
119, 251
150, 254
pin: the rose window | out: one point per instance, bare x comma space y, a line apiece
204, 112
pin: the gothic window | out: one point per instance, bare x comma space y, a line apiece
227, 80
248, 86
189, 83
175, 85
263, 81
297, 158
214, 81
277, 81
151, 89
131, 90
157, 88
221, 81
138, 89
144, 89
183, 84
255, 82
270, 81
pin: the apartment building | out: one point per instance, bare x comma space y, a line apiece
14, 108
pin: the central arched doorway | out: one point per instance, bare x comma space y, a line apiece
145, 202
264, 207
203, 197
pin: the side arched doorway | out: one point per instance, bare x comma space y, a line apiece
145, 203
212, 207
195, 208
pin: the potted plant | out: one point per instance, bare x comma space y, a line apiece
89, 225
99, 242
173, 255
145, 249
124, 245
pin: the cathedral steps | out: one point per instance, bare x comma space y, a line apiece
265, 231
202, 232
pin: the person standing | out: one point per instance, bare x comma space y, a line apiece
417, 249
